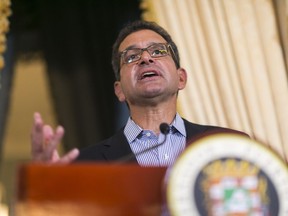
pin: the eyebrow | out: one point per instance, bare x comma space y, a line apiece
135, 47
131, 47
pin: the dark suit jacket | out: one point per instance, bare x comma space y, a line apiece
117, 147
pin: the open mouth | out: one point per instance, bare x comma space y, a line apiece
148, 75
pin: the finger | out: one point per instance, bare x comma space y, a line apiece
52, 140
55, 156
37, 133
47, 135
69, 157
59, 133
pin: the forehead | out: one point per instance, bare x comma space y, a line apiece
141, 39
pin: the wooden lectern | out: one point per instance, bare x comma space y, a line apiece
89, 189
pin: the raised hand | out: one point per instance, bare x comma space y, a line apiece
44, 141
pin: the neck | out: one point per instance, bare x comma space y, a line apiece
150, 118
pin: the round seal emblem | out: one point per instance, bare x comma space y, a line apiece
228, 174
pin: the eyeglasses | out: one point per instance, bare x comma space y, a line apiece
155, 51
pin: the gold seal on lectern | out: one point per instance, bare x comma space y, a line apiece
228, 175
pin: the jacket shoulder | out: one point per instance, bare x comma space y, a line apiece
196, 131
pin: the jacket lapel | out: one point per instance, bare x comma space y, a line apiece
118, 149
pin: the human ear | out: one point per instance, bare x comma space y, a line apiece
118, 91
182, 78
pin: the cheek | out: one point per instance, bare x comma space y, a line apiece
127, 78
124, 73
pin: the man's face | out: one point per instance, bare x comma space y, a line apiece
148, 79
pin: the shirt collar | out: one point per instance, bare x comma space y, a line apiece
178, 124
132, 130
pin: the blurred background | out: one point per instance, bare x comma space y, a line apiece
57, 62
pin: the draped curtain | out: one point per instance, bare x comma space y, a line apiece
235, 54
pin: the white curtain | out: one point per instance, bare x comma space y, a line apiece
234, 53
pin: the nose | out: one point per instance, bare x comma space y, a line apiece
146, 58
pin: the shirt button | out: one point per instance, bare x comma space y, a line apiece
148, 134
166, 156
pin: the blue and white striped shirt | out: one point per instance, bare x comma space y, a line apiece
165, 154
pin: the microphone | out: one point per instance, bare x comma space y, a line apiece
164, 129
